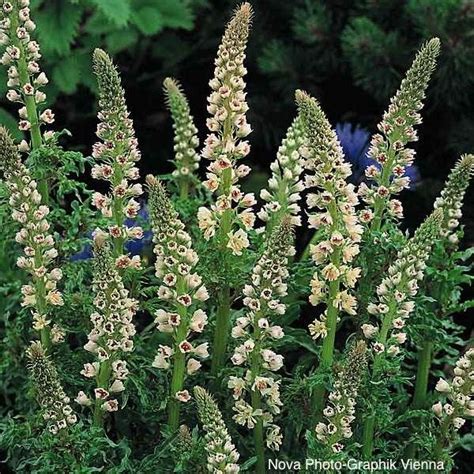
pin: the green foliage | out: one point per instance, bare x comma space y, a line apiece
136, 438
85, 24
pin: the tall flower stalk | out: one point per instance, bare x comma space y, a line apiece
338, 230
394, 304
231, 216
116, 155
41, 294
221, 453
459, 405
450, 202
397, 129
53, 401
339, 412
284, 186
186, 141
257, 331
25, 78
182, 292
111, 335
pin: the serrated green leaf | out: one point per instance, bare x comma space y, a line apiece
117, 11
176, 14
148, 20
72, 71
66, 75
119, 40
58, 26
10, 122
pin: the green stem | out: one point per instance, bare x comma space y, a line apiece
41, 304
378, 212
368, 437
327, 353
177, 381
314, 239
184, 189
179, 361
256, 399
118, 218
221, 332
45, 336
421, 388
369, 424
103, 380
422, 374
31, 109
380, 203
258, 434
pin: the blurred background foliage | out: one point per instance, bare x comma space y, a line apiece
351, 54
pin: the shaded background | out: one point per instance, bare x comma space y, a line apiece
350, 54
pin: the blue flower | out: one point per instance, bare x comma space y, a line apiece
355, 143
134, 247
84, 254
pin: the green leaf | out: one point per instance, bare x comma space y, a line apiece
57, 27
117, 11
119, 40
72, 71
66, 75
10, 122
169, 13
148, 20
176, 14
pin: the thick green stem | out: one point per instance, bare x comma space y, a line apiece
179, 361
31, 109
256, 400
422, 374
369, 424
177, 381
221, 333
41, 304
327, 353
103, 380
45, 336
184, 189
368, 437
258, 435
380, 203
421, 388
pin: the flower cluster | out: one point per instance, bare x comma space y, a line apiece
222, 456
112, 329
451, 198
397, 128
185, 136
284, 185
459, 392
41, 294
54, 403
25, 79
336, 221
395, 294
224, 146
355, 143
181, 288
339, 412
256, 329
116, 153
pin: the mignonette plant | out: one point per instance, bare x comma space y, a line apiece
194, 352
